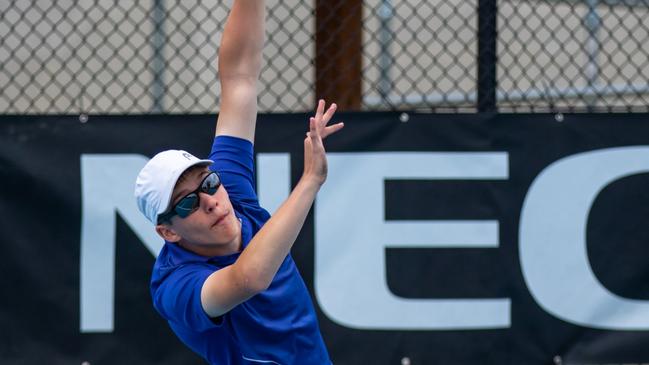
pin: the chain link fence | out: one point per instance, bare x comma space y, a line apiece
574, 55
159, 56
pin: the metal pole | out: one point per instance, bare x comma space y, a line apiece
158, 60
487, 35
386, 12
593, 23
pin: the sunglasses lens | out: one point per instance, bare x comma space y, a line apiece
211, 184
186, 205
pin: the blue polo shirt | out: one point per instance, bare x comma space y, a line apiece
277, 326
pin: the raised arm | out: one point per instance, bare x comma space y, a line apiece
239, 62
257, 265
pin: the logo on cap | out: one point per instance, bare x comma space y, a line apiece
187, 155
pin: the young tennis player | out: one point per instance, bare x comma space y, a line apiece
225, 280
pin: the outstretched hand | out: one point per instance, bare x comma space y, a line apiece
315, 159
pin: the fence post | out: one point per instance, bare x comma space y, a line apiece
338, 52
158, 15
487, 59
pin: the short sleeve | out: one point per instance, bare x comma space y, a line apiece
178, 298
234, 161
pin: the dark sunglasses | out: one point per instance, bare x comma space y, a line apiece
189, 203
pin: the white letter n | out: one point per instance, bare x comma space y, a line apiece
107, 183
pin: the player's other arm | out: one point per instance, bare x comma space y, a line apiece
239, 66
257, 265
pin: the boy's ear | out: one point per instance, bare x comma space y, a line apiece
167, 233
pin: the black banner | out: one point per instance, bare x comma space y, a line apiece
437, 239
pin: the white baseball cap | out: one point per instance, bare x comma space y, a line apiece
156, 181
